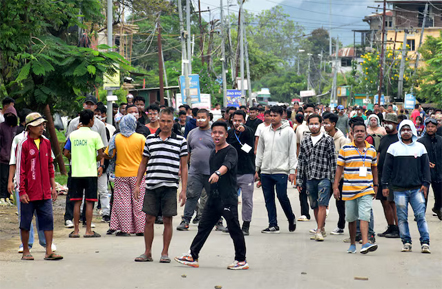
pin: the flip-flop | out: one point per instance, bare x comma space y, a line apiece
72, 235
165, 259
143, 258
95, 235
53, 257
27, 257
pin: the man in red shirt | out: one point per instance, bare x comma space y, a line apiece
37, 184
415, 113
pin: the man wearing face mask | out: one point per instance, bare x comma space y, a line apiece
317, 159
8, 130
390, 125
153, 113
140, 102
241, 138
200, 144
433, 144
407, 172
342, 123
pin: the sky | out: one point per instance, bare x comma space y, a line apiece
346, 16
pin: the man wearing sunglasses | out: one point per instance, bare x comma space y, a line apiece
433, 144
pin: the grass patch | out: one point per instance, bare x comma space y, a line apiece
62, 180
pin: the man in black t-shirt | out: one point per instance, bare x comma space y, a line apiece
253, 121
390, 125
222, 201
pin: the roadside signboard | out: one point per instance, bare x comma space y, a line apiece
233, 97
195, 92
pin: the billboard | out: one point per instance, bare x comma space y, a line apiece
195, 92
233, 97
409, 101
204, 103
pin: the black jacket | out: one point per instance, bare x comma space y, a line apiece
246, 161
434, 150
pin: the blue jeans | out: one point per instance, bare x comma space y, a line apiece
269, 182
417, 202
318, 192
41, 234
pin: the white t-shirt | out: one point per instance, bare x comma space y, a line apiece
17, 139
260, 128
315, 139
111, 129
2, 118
300, 132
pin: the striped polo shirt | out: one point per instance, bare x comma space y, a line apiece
351, 160
164, 160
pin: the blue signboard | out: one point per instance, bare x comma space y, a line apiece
233, 97
195, 92
376, 97
410, 101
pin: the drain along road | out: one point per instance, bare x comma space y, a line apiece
286, 260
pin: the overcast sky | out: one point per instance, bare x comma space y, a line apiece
346, 16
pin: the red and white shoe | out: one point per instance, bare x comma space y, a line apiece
188, 260
243, 265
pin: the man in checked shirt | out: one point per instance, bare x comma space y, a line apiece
317, 160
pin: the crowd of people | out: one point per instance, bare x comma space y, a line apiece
133, 168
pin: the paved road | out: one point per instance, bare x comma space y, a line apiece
287, 260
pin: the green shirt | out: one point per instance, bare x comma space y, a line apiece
84, 144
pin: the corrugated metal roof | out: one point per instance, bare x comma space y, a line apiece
346, 52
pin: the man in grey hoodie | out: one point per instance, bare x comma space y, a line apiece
409, 185
276, 159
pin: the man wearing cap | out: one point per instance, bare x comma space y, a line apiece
36, 185
89, 103
390, 124
433, 144
342, 123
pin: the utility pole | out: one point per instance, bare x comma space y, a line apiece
223, 51
232, 63
160, 64
110, 44
333, 95
308, 75
201, 32
402, 67
249, 83
330, 30
189, 50
184, 53
165, 79
381, 74
417, 50
241, 48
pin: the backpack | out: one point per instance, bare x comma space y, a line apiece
376, 140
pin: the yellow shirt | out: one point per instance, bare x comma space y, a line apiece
37, 143
129, 152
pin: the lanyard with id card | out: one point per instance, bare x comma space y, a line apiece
362, 170
244, 147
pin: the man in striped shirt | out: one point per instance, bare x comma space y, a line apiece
358, 162
165, 154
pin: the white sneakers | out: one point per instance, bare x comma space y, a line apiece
69, 224
303, 218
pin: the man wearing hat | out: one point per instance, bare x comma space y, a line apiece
390, 124
90, 103
36, 184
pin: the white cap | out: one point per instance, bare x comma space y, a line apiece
129, 96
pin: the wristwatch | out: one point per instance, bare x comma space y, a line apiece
218, 173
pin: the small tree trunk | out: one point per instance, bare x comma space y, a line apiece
54, 140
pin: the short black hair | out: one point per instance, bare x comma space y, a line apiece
140, 98
416, 106
358, 123
314, 115
182, 106
289, 113
354, 120
262, 109
299, 117
267, 112
123, 103
85, 116
114, 105
277, 109
186, 106
331, 116
229, 108
131, 105
307, 105
401, 117
243, 106
23, 114
167, 110
7, 100
203, 110
219, 123
103, 109
153, 107
195, 111
182, 112
253, 108
239, 112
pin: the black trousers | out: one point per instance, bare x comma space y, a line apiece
213, 211
4, 174
437, 190
340, 205
303, 199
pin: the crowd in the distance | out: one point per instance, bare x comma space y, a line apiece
133, 168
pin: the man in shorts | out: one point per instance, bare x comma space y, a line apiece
37, 185
165, 154
358, 162
82, 147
